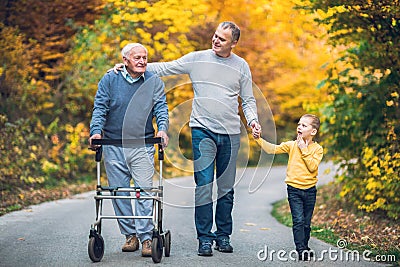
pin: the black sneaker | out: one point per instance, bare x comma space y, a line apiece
205, 248
304, 255
223, 245
310, 252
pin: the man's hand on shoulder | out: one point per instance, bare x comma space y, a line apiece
117, 67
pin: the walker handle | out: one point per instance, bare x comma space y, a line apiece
149, 141
99, 152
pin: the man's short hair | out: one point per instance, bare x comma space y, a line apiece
127, 50
233, 27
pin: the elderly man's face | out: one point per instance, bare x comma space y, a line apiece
136, 63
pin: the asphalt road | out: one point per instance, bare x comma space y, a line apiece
56, 233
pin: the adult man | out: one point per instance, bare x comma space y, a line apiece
124, 107
218, 78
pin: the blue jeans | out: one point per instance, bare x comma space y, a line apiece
302, 203
214, 151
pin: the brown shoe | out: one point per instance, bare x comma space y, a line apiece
146, 248
131, 244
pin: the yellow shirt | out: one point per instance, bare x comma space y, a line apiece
303, 163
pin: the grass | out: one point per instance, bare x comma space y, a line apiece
281, 212
333, 221
10, 209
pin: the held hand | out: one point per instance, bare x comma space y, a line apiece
301, 143
165, 138
95, 136
255, 129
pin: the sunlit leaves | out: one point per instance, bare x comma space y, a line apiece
163, 33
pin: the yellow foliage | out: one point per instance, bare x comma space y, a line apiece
383, 168
375, 171
368, 153
49, 167
344, 192
369, 197
116, 19
177, 17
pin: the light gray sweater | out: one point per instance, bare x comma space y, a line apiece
217, 83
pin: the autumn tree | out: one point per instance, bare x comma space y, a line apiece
362, 117
49, 25
41, 138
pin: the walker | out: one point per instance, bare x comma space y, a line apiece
160, 239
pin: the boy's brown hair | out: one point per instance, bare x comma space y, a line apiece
315, 120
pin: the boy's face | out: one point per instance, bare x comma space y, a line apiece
305, 129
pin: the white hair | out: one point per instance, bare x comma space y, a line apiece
126, 51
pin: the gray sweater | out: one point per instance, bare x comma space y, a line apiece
217, 83
124, 110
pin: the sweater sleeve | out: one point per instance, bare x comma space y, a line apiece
175, 67
160, 110
312, 157
101, 107
271, 148
246, 94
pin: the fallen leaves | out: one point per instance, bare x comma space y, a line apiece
357, 227
251, 225
33, 197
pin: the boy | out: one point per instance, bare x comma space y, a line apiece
301, 178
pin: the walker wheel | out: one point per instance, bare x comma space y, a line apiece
156, 249
167, 243
96, 248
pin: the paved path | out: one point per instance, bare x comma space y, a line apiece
56, 233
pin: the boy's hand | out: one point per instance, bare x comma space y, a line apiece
300, 142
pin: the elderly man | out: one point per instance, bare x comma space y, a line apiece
124, 107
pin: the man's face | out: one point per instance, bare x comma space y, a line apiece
136, 63
222, 43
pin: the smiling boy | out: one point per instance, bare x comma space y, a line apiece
305, 156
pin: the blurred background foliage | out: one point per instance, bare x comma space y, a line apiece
338, 59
